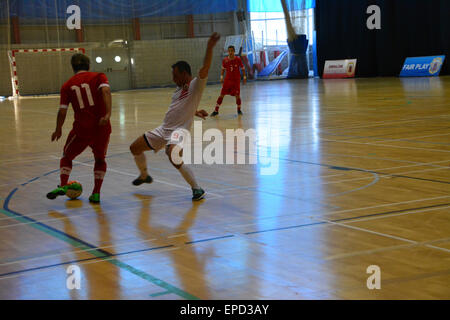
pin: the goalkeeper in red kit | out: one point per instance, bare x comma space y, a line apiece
90, 96
232, 65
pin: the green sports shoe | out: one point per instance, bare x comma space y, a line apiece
94, 198
60, 191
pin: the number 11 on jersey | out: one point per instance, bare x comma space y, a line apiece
80, 98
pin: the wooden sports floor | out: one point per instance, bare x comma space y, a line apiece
363, 179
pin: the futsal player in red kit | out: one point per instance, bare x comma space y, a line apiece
90, 96
232, 65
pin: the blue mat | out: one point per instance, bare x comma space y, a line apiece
272, 66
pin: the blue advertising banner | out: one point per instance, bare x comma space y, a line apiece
422, 66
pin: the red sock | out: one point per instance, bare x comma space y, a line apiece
219, 102
99, 173
238, 103
65, 166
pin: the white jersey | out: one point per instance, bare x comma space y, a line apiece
181, 111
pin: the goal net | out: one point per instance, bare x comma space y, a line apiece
40, 71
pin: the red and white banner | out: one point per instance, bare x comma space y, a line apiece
338, 69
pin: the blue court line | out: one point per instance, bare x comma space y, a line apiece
42, 225
210, 239
143, 250
152, 279
159, 294
48, 173
46, 266
340, 168
29, 181
332, 167
381, 135
82, 260
364, 170
224, 237
285, 228
87, 247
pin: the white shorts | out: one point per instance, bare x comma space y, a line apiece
155, 141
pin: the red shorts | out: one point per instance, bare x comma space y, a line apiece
232, 88
76, 145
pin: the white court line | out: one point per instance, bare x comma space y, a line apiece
112, 202
384, 159
396, 214
375, 180
238, 187
384, 145
418, 165
363, 178
162, 235
177, 235
361, 229
244, 236
20, 160
386, 205
412, 138
216, 195
331, 213
407, 139
64, 210
377, 140
371, 251
381, 123
378, 233
134, 175
112, 120
383, 249
425, 170
83, 215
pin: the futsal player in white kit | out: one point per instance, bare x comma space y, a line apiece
180, 115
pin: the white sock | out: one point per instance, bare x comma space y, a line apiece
141, 163
188, 175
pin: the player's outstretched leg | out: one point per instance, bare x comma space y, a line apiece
238, 103
216, 110
99, 173
137, 148
65, 166
197, 192
73, 147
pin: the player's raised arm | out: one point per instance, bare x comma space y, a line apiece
203, 73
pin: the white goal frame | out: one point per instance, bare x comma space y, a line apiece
13, 64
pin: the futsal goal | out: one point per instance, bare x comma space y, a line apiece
40, 71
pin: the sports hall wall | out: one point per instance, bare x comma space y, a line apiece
409, 28
163, 39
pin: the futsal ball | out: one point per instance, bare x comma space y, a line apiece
74, 189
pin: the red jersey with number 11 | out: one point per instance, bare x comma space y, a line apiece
83, 92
